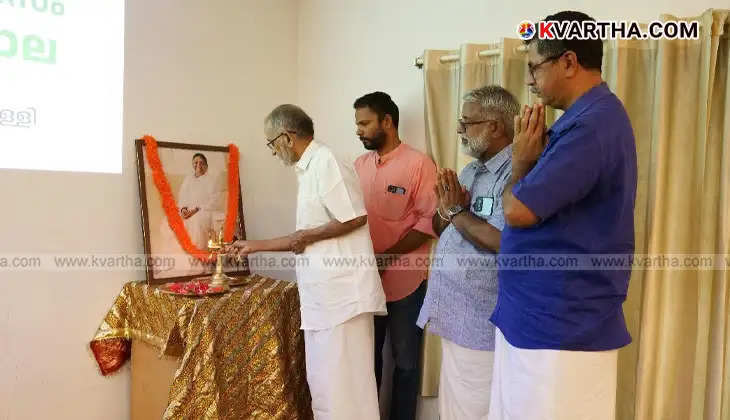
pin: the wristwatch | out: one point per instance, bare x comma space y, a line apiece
454, 210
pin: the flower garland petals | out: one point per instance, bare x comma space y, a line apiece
233, 191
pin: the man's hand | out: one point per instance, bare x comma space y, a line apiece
529, 140
528, 144
241, 247
440, 206
449, 192
299, 241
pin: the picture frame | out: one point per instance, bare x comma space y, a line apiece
192, 188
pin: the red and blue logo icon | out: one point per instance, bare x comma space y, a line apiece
526, 30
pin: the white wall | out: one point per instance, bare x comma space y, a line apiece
349, 48
193, 73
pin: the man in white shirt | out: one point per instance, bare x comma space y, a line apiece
337, 303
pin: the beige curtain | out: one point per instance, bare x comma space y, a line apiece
677, 96
476, 71
676, 93
441, 97
635, 63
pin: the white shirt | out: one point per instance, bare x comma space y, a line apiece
329, 295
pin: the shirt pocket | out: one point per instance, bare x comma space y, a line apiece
392, 206
496, 219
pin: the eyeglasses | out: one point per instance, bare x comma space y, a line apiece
532, 67
462, 125
270, 143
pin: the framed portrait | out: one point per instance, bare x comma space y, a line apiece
198, 179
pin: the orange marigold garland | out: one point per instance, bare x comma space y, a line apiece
233, 191
170, 206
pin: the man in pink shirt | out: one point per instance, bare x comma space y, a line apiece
398, 186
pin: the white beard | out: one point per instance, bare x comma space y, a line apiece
472, 148
286, 156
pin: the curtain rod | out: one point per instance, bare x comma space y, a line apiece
455, 57
484, 53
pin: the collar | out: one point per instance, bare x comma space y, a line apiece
307, 156
380, 160
497, 161
580, 105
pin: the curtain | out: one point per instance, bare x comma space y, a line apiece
476, 71
441, 97
676, 94
677, 97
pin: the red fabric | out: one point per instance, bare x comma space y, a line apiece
111, 353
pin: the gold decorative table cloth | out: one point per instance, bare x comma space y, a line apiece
242, 352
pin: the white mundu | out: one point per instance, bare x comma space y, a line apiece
465, 382
337, 304
341, 370
552, 384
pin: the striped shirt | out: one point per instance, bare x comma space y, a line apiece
462, 285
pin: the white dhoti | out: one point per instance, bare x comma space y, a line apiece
341, 372
465, 382
552, 384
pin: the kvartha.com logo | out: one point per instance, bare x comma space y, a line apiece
590, 29
526, 30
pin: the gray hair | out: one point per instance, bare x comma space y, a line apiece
498, 102
289, 117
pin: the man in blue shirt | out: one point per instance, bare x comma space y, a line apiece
572, 191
